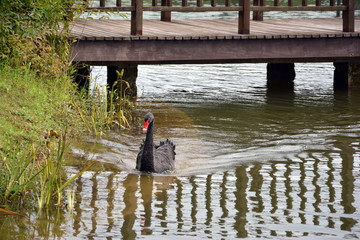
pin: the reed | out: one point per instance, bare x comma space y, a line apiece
36, 170
112, 108
123, 100
8, 212
70, 193
51, 181
51, 177
18, 171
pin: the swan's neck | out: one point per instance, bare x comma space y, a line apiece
147, 160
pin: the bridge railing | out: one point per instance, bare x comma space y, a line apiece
243, 7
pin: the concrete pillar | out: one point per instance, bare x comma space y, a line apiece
346, 75
354, 75
82, 77
341, 76
130, 75
280, 76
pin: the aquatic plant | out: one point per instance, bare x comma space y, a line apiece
51, 181
51, 176
37, 170
111, 108
70, 193
18, 171
8, 212
120, 107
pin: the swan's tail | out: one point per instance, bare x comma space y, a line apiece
168, 142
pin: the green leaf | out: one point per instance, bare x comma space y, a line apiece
73, 178
8, 212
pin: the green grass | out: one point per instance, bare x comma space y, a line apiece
30, 105
38, 98
34, 105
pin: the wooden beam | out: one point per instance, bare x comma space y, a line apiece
192, 9
225, 8
166, 15
298, 8
104, 9
349, 16
218, 51
244, 17
258, 15
137, 17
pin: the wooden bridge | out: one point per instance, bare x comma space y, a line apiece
164, 41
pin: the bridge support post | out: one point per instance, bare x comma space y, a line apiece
341, 76
280, 76
346, 75
349, 16
258, 15
129, 76
244, 17
137, 18
166, 15
82, 77
354, 75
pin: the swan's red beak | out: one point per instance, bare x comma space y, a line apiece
146, 125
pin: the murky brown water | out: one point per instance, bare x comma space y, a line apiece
249, 163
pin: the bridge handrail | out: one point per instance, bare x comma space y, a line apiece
244, 8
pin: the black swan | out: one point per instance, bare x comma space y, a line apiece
152, 158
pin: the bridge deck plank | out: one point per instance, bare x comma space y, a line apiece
271, 40
115, 29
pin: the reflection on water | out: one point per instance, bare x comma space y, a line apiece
250, 163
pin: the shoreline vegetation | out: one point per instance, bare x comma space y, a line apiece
41, 110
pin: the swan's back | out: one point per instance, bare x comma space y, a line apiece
164, 156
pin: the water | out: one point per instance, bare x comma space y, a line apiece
249, 163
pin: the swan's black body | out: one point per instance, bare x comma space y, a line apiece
152, 158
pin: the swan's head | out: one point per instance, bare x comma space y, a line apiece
147, 120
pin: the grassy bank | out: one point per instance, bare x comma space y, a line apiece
41, 110
40, 107
35, 88
32, 107
31, 104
